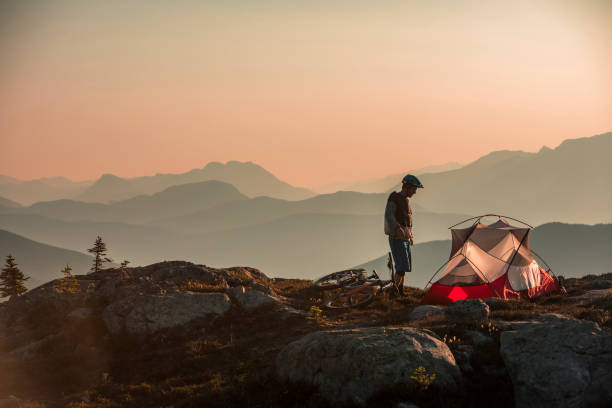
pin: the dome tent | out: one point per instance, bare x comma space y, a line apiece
492, 260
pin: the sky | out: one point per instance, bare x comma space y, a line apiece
314, 91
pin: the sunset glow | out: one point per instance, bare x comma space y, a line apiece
314, 91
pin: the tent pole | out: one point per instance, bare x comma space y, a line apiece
491, 215
514, 219
516, 252
473, 218
547, 265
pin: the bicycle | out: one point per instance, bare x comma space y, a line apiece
357, 289
340, 279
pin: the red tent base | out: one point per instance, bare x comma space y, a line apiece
446, 295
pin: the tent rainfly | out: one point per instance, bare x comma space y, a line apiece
491, 261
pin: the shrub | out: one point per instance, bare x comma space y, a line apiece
422, 379
69, 283
197, 286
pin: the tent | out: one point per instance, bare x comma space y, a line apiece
492, 260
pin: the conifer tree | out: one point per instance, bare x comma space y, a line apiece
12, 279
69, 283
99, 249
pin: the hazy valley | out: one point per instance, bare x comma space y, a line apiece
216, 223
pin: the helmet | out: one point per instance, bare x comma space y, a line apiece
410, 179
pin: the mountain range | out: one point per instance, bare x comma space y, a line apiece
249, 178
378, 185
571, 183
177, 200
222, 224
44, 189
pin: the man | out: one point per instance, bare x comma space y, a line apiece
398, 226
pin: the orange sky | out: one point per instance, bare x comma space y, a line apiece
315, 91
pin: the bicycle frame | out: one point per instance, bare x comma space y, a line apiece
370, 281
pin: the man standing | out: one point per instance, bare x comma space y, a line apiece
398, 226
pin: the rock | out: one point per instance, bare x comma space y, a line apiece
149, 313
478, 338
44, 302
253, 299
505, 325
468, 311
492, 302
559, 362
81, 313
406, 405
463, 356
235, 291
262, 288
349, 366
602, 284
595, 293
288, 311
424, 311
243, 275
494, 371
33, 349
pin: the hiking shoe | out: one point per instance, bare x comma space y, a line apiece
401, 291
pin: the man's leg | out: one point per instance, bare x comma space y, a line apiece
399, 281
400, 250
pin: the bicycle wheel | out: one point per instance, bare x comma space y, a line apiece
338, 279
355, 297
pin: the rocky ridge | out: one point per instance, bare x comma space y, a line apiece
175, 331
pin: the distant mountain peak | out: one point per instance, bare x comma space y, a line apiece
213, 165
545, 149
108, 188
239, 163
109, 176
233, 164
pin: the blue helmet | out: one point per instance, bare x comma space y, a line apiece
410, 179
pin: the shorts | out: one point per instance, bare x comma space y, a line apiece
402, 257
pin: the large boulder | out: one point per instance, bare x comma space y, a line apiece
349, 366
592, 294
252, 299
559, 362
425, 311
45, 301
149, 313
468, 311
